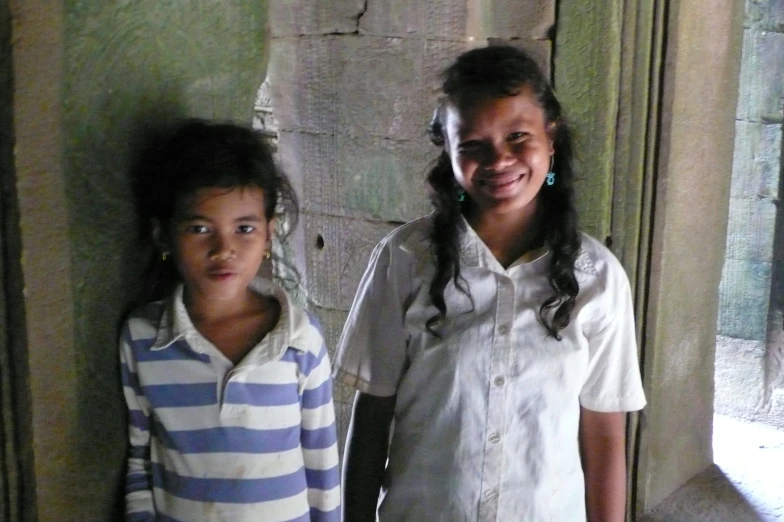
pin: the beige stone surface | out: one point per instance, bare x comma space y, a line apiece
302, 85
740, 376
335, 270
48, 302
297, 18
512, 19
689, 234
745, 485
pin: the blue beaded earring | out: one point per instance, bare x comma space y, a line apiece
550, 178
461, 196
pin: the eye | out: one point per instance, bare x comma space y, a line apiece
518, 136
469, 146
246, 229
197, 229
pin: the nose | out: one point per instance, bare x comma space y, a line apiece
499, 156
222, 248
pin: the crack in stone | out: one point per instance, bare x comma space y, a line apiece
362, 13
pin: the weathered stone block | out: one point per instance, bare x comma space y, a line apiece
307, 17
302, 83
750, 229
740, 377
757, 13
360, 177
342, 420
756, 169
540, 50
761, 86
332, 322
772, 12
310, 159
399, 18
509, 19
378, 87
744, 299
439, 54
383, 178
447, 19
338, 250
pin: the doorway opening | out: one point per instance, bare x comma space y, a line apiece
748, 439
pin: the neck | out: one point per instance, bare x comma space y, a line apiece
508, 235
203, 310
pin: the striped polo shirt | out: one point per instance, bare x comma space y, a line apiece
211, 441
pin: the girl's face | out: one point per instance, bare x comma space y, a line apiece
219, 238
500, 150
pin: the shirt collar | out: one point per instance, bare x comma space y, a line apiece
176, 324
474, 252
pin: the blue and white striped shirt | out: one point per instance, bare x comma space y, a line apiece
210, 441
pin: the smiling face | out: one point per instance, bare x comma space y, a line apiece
219, 238
500, 150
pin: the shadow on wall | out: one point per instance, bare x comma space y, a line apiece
130, 68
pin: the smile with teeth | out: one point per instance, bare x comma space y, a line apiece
500, 181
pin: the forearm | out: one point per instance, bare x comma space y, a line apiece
366, 453
602, 444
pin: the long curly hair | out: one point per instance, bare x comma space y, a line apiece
496, 72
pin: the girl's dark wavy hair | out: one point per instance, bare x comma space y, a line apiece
193, 154
496, 72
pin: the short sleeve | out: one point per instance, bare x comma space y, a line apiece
371, 352
613, 380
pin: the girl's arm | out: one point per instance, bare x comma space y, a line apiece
367, 448
319, 440
139, 505
603, 452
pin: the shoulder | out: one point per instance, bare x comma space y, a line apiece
412, 238
143, 323
596, 260
602, 279
406, 251
306, 333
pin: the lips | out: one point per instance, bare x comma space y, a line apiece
500, 182
221, 273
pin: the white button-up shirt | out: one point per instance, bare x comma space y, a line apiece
487, 414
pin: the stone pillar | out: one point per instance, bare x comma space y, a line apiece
750, 345
354, 83
693, 164
88, 78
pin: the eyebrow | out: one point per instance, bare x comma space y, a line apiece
198, 217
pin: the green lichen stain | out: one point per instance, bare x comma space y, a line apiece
586, 80
130, 65
376, 186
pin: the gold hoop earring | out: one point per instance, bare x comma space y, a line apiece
164, 256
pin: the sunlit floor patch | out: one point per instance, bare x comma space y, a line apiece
745, 485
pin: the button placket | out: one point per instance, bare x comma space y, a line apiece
497, 397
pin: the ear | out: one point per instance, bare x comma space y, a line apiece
550, 130
159, 237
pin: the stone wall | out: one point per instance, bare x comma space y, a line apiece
89, 78
750, 345
354, 83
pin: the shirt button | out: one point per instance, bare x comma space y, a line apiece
489, 494
499, 381
494, 438
503, 330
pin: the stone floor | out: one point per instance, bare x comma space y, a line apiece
745, 485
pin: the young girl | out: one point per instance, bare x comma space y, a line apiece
227, 382
497, 336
